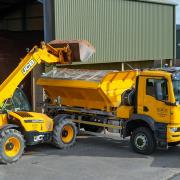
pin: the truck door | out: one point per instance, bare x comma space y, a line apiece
152, 98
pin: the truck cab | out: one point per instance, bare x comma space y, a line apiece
158, 95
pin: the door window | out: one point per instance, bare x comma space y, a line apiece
157, 88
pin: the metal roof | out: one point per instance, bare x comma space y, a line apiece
160, 2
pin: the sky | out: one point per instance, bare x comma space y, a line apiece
177, 11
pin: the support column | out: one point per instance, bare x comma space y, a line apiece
172, 62
122, 66
48, 13
37, 90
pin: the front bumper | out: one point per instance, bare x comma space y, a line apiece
173, 133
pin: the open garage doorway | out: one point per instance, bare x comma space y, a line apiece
21, 27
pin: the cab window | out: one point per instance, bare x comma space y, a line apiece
157, 88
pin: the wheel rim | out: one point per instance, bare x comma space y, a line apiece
67, 134
12, 146
141, 141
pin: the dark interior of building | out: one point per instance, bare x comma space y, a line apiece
21, 27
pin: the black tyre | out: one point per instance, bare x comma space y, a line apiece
12, 146
173, 144
93, 128
64, 134
143, 141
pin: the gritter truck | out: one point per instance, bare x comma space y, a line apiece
141, 104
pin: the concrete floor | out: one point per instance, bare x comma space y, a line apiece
93, 158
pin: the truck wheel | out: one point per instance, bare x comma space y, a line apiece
143, 141
11, 146
64, 134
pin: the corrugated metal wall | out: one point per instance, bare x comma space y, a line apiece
120, 30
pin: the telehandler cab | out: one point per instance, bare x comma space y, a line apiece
18, 125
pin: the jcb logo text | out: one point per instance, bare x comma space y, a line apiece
28, 66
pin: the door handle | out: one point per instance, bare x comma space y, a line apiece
145, 109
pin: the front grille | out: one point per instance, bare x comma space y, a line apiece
178, 129
24, 114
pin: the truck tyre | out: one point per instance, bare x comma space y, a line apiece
12, 146
64, 134
143, 141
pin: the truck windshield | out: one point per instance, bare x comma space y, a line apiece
176, 87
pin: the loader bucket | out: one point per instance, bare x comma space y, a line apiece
81, 50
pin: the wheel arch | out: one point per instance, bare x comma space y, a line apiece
60, 117
9, 126
138, 121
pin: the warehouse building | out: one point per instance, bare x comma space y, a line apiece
137, 33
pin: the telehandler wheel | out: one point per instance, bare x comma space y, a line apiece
143, 141
12, 146
64, 134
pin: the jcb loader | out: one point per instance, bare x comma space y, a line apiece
18, 125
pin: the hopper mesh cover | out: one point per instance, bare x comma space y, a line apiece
76, 74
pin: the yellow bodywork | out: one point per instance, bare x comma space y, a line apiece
30, 121
104, 94
173, 136
124, 112
3, 119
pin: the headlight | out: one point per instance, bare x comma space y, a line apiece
174, 129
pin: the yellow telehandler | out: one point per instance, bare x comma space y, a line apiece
18, 125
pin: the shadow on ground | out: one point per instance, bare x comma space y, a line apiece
100, 147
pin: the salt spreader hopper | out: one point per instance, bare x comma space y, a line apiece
90, 89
